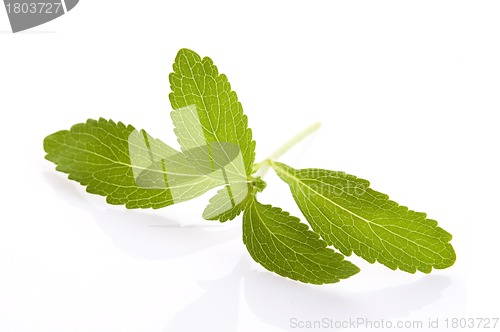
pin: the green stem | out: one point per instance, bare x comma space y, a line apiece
294, 140
263, 166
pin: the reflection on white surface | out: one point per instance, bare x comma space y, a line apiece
218, 307
276, 300
248, 289
143, 235
313, 303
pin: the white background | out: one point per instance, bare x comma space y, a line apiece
407, 93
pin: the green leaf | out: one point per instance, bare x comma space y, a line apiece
229, 201
227, 204
280, 243
206, 110
352, 217
127, 166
